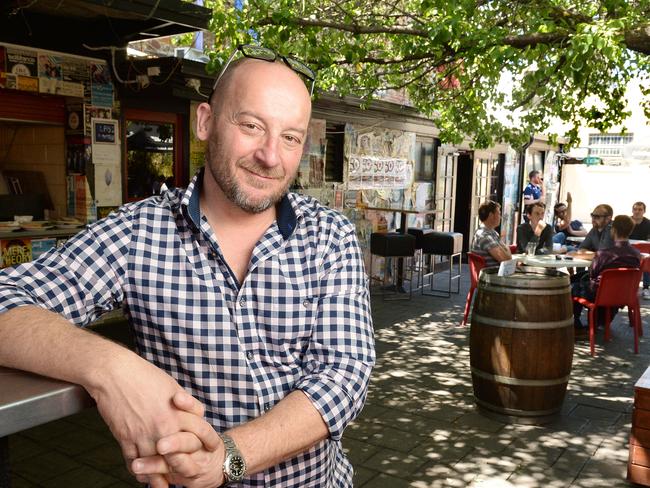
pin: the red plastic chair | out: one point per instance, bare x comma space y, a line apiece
645, 265
642, 247
618, 288
476, 264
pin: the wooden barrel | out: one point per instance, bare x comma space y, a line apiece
521, 343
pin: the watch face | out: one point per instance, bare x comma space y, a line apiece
237, 467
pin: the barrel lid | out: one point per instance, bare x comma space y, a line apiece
531, 277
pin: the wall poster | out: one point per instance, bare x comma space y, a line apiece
106, 161
378, 158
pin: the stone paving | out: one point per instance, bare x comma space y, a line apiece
420, 427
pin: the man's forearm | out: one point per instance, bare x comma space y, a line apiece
289, 428
43, 342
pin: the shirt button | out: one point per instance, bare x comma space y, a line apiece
267, 406
242, 302
249, 355
306, 303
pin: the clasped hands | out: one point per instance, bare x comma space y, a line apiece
191, 459
159, 426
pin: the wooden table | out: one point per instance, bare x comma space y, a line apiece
403, 228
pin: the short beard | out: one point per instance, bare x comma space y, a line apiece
235, 194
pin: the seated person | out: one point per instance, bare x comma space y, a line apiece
535, 230
564, 226
620, 255
641, 232
600, 235
487, 242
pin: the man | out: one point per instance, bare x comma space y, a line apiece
564, 226
535, 230
641, 232
534, 191
619, 255
600, 235
486, 242
252, 299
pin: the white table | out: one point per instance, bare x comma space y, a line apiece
550, 261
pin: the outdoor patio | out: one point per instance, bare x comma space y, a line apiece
420, 426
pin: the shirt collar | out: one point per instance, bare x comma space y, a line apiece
287, 215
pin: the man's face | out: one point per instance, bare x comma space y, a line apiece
495, 218
599, 218
638, 211
257, 135
536, 214
536, 179
560, 212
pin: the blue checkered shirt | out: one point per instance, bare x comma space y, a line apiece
299, 321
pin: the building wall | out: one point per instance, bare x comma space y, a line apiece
36, 148
637, 124
618, 186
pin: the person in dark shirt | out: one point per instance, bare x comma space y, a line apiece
641, 232
599, 237
620, 255
535, 230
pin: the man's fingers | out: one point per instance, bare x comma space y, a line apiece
150, 465
182, 464
199, 427
184, 401
158, 481
185, 442
172, 465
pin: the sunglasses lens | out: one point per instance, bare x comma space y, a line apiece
301, 68
258, 52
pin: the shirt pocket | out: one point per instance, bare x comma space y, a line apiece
287, 329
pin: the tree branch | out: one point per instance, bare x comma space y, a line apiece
354, 29
639, 39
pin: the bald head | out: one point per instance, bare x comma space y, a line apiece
256, 128
241, 70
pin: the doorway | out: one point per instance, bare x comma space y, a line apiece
152, 153
464, 198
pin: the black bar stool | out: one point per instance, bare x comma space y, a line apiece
448, 244
393, 245
419, 235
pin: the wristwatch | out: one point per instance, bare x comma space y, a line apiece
234, 466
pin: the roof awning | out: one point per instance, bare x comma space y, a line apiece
43, 23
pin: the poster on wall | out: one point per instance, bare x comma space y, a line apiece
197, 146
378, 158
106, 161
101, 86
370, 172
22, 69
15, 251
311, 172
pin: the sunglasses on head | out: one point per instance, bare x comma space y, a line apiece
266, 54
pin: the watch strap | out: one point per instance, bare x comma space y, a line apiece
231, 450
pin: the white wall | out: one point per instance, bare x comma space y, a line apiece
618, 186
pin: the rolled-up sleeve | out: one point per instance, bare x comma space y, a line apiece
341, 353
79, 280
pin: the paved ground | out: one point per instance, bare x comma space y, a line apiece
420, 427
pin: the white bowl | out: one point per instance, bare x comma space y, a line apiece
23, 218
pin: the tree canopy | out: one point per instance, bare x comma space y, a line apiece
459, 61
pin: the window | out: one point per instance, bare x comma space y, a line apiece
335, 135
424, 159
608, 145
